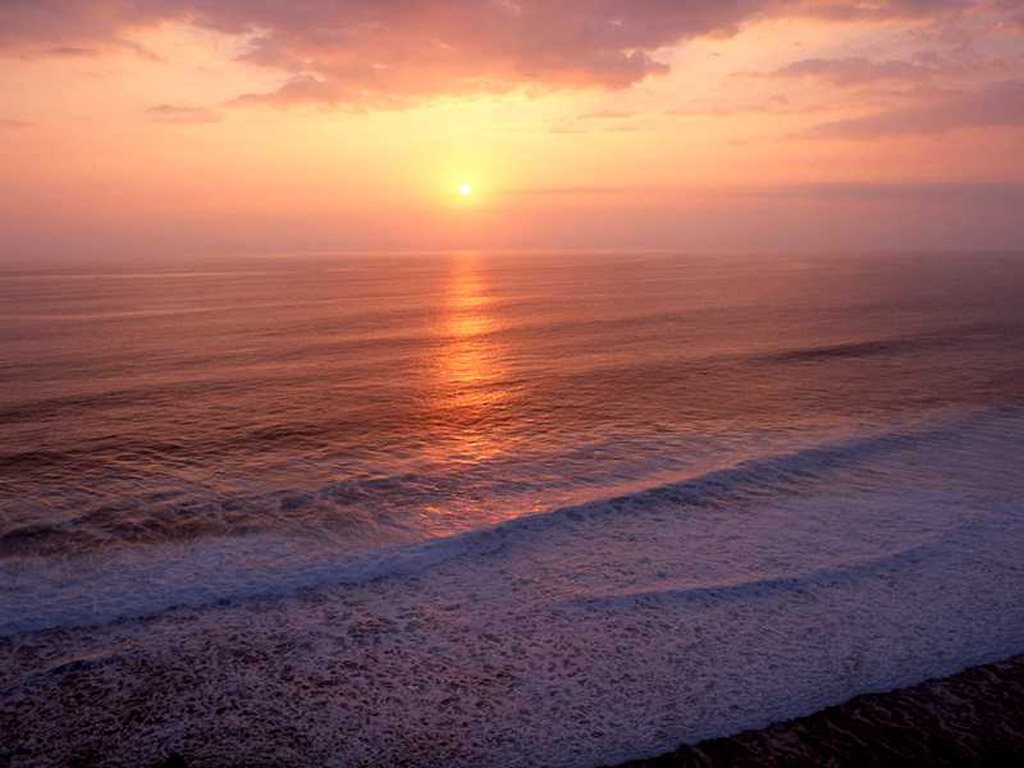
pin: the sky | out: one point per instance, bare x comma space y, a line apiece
160, 127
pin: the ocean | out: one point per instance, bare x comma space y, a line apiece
509, 508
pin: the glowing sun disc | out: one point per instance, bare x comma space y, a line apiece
465, 190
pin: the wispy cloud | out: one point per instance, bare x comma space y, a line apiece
608, 114
776, 104
71, 52
572, 191
996, 104
940, 192
170, 113
850, 72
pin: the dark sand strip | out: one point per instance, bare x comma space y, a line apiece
975, 718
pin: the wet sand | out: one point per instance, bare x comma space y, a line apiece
975, 718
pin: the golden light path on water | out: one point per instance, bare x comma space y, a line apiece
470, 370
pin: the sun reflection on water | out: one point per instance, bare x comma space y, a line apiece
470, 363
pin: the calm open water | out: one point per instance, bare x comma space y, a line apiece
372, 399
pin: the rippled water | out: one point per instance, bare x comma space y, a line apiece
351, 403
517, 510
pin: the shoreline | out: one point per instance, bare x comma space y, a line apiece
972, 718
601, 634
606, 638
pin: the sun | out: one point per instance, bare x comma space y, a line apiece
465, 190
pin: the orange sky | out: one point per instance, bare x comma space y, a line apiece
193, 126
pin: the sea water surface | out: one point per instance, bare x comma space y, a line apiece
731, 454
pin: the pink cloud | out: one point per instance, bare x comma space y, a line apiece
387, 52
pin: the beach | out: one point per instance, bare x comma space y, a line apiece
974, 718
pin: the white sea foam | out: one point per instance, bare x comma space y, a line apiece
590, 634
766, 497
